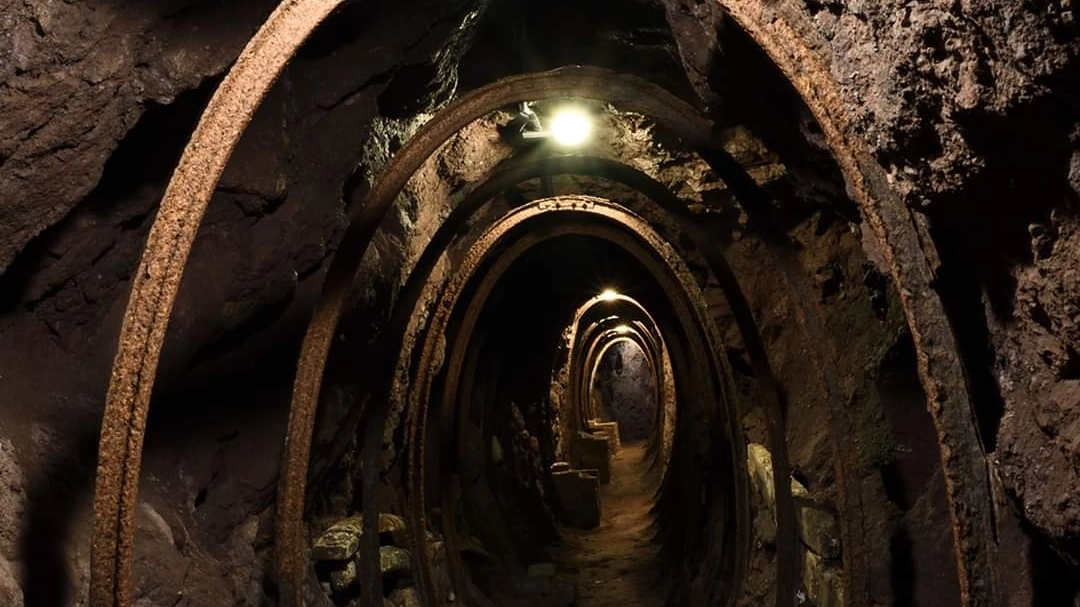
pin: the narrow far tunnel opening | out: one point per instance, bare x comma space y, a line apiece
624, 389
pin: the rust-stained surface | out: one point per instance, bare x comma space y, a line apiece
939, 366
158, 279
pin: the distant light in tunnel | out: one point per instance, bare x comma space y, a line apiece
570, 126
609, 295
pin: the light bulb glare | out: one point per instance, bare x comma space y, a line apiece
570, 126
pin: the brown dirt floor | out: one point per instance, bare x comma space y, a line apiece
616, 564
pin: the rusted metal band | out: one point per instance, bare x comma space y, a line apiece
963, 461
157, 279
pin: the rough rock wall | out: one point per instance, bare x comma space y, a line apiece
628, 390
77, 77
971, 108
918, 76
1038, 367
98, 100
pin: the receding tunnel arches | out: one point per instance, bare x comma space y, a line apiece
581, 81
291, 474
585, 348
159, 274
626, 230
631, 93
585, 334
587, 339
182, 210
502, 179
326, 316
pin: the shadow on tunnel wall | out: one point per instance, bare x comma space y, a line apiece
58, 486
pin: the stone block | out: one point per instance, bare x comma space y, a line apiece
342, 579
394, 560
612, 429
579, 495
822, 581
759, 465
818, 528
594, 453
560, 467
342, 539
765, 526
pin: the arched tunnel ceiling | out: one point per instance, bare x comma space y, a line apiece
892, 137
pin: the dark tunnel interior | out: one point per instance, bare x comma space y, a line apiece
507, 303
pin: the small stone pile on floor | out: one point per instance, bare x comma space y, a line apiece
337, 552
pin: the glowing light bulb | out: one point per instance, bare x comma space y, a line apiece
570, 126
609, 295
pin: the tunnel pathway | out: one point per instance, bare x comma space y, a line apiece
617, 564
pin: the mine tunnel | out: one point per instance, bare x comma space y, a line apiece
358, 303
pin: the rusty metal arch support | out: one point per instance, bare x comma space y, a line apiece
157, 280
618, 227
908, 251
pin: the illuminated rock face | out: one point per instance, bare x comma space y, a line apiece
628, 391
